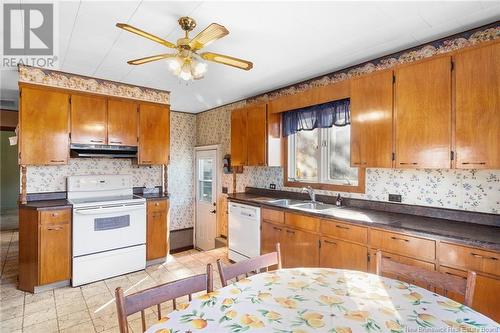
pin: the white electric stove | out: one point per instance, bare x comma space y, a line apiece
109, 227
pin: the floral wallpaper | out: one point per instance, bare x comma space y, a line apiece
47, 77
53, 178
180, 170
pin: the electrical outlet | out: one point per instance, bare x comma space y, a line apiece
224, 189
395, 197
272, 186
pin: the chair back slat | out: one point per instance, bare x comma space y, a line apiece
250, 265
447, 283
138, 302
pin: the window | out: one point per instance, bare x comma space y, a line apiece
321, 158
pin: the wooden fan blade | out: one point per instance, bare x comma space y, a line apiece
149, 59
145, 34
227, 60
211, 33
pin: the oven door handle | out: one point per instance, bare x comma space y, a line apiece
107, 210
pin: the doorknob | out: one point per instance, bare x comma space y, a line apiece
213, 211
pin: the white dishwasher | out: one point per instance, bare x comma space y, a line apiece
243, 232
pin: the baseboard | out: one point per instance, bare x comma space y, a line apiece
181, 249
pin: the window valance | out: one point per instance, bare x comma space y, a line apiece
334, 113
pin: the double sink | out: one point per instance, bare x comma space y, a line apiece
310, 206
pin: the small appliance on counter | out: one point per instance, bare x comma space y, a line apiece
109, 227
243, 232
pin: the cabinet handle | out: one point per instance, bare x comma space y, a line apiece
213, 211
387, 257
359, 163
57, 161
479, 163
96, 141
290, 232
481, 256
342, 227
455, 275
329, 242
408, 163
400, 239
119, 142
54, 214
54, 228
147, 162
157, 203
276, 228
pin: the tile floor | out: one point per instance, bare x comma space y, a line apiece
89, 308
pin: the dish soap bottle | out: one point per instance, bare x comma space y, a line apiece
338, 202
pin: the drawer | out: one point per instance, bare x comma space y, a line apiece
55, 216
272, 215
157, 205
469, 258
302, 221
344, 231
402, 244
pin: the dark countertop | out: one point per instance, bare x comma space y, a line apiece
476, 235
47, 204
153, 196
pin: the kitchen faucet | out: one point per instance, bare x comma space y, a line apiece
309, 190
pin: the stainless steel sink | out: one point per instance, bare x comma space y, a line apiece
284, 202
313, 206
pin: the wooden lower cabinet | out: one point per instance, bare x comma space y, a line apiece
157, 229
45, 247
299, 248
335, 253
270, 235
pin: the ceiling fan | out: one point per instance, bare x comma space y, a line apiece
186, 62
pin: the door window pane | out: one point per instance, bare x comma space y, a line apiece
205, 177
339, 165
306, 155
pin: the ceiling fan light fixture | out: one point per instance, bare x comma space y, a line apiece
175, 65
198, 68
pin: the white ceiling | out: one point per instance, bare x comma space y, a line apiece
287, 41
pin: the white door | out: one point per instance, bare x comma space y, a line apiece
206, 199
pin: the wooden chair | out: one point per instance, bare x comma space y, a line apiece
441, 281
130, 304
245, 267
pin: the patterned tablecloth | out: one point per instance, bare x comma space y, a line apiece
323, 300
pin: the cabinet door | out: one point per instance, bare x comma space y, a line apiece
256, 135
339, 254
423, 114
44, 127
270, 235
371, 121
122, 123
156, 229
486, 298
477, 82
88, 119
154, 134
239, 137
55, 253
301, 249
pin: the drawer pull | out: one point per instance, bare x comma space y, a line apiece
342, 227
276, 228
119, 142
54, 228
408, 163
290, 232
480, 256
329, 242
147, 162
479, 163
359, 163
54, 214
455, 275
96, 141
57, 161
387, 257
400, 239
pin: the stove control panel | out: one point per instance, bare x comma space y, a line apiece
99, 183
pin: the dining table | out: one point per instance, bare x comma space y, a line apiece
302, 300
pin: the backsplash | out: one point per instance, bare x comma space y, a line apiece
53, 178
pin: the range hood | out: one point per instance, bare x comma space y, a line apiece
83, 150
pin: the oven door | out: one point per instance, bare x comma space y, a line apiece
104, 228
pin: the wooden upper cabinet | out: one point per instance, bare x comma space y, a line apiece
423, 114
88, 119
154, 134
44, 127
256, 135
477, 82
371, 121
122, 123
239, 137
